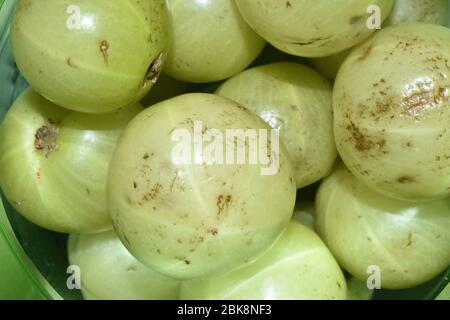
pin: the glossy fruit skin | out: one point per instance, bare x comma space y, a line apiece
297, 100
110, 272
392, 109
409, 242
298, 267
191, 221
311, 28
63, 187
97, 66
428, 11
211, 41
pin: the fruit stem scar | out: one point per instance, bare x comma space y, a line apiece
104, 47
45, 138
155, 68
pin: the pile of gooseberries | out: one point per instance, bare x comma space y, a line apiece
123, 141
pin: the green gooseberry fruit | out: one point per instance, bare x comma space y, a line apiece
401, 244
110, 272
54, 163
298, 267
296, 100
91, 56
180, 212
211, 41
311, 28
392, 109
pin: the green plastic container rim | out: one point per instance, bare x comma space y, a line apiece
19, 277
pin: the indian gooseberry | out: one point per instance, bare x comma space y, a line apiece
211, 41
110, 272
298, 267
311, 28
374, 235
392, 112
296, 100
91, 56
54, 163
183, 210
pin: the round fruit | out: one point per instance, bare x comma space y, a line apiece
296, 100
374, 235
91, 56
392, 110
110, 272
298, 267
211, 41
54, 163
188, 212
311, 28
429, 11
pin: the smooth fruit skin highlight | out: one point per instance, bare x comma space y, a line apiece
408, 242
54, 163
211, 41
195, 220
296, 100
298, 267
313, 28
110, 272
392, 112
91, 56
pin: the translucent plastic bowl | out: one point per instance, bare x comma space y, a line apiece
33, 261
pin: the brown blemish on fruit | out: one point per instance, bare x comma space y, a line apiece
153, 192
214, 231
146, 156
45, 138
155, 68
406, 180
362, 142
39, 175
70, 63
409, 240
223, 203
288, 4
104, 47
356, 19
365, 53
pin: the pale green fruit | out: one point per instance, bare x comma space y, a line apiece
313, 28
110, 272
197, 219
298, 101
392, 110
298, 267
429, 11
54, 163
408, 242
211, 41
91, 56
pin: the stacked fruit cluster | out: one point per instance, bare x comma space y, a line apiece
200, 195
